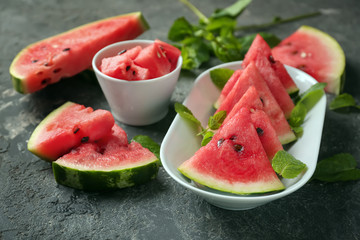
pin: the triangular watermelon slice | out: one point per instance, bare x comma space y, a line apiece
259, 47
251, 77
234, 160
66, 127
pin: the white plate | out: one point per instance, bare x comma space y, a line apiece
180, 142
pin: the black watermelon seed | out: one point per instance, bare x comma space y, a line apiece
128, 68
66, 49
262, 100
294, 52
271, 59
233, 137
84, 139
238, 147
34, 61
259, 131
220, 141
134, 72
45, 81
47, 64
121, 52
301, 67
76, 129
57, 70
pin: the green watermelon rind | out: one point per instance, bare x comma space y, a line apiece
16, 77
224, 186
101, 180
48, 119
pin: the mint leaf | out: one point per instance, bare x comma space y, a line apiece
148, 143
180, 30
220, 76
207, 138
342, 101
215, 121
194, 52
340, 167
232, 11
186, 113
298, 115
286, 165
311, 96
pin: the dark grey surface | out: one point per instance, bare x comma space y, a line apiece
33, 206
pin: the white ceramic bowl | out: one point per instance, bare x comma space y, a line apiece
135, 102
180, 142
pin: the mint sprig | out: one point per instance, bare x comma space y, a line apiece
287, 165
342, 101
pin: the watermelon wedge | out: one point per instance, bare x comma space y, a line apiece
259, 47
234, 160
107, 164
67, 54
316, 53
252, 77
67, 127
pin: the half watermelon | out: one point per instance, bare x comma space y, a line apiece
67, 54
316, 53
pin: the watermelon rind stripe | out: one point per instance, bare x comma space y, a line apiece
101, 180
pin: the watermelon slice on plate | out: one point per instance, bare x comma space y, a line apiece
67, 54
180, 143
316, 53
67, 127
108, 164
252, 77
234, 160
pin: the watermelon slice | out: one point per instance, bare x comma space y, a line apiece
67, 127
259, 47
260, 119
316, 53
234, 160
108, 164
251, 77
64, 55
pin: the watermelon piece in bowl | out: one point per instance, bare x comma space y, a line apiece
180, 142
140, 102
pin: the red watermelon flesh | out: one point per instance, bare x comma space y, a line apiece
111, 153
234, 160
251, 77
259, 47
172, 53
67, 54
67, 127
122, 66
154, 59
316, 53
266, 133
228, 86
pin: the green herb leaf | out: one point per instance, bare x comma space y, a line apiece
286, 165
207, 138
220, 76
340, 167
186, 113
232, 11
342, 101
298, 115
148, 143
311, 96
215, 121
180, 30
194, 52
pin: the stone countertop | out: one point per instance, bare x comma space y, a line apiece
34, 206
